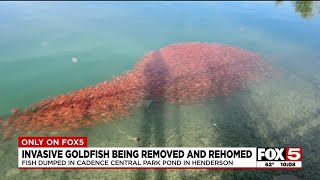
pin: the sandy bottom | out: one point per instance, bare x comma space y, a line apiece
275, 112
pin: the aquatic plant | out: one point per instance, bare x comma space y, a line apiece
178, 73
306, 9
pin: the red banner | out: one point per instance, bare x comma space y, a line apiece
52, 142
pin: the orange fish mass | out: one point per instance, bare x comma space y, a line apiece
178, 73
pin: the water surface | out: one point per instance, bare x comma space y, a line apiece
38, 41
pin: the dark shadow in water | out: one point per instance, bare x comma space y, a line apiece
309, 141
176, 118
310, 152
236, 127
156, 72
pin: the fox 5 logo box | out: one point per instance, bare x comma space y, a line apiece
279, 154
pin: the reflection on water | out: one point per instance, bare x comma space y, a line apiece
306, 9
39, 40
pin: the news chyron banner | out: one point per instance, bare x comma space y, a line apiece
74, 153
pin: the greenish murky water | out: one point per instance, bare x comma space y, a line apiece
39, 39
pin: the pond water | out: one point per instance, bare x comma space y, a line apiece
52, 48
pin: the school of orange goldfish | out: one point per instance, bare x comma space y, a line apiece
178, 73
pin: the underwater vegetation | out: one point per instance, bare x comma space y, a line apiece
306, 9
179, 73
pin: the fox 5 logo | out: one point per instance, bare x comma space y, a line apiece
279, 154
